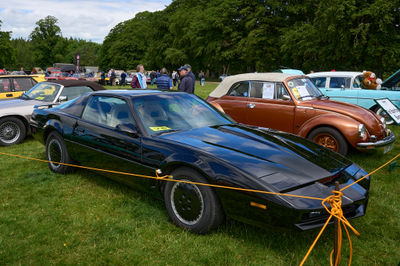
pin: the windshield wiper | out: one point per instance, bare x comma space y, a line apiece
166, 131
322, 96
24, 95
305, 96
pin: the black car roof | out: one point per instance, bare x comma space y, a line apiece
69, 83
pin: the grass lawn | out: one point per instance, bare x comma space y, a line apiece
84, 218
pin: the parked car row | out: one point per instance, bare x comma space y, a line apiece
244, 137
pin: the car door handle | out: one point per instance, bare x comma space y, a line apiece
251, 105
80, 130
9, 95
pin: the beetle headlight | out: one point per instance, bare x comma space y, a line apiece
361, 130
383, 120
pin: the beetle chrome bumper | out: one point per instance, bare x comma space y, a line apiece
377, 144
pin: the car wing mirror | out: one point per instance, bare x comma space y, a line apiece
128, 129
286, 97
62, 98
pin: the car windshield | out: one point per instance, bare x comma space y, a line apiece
43, 91
165, 113
303, 89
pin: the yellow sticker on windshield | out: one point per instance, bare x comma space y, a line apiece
296, 93
40, 98
159, 128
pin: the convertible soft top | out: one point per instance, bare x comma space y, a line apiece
69, 83
226, 84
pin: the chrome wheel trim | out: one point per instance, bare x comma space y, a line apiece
388, 119
9, 132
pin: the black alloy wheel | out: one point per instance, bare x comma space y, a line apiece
195, 208
56, 153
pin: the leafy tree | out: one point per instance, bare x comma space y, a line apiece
44, 38
7, 51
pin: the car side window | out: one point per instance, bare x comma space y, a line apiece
76, 91
340, 82
357, 81
5, 85
319, 82
23, 84
240, 89
267, 90
108, 111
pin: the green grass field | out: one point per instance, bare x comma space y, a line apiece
84, 218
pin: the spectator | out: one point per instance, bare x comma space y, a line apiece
191, 75
164, 82
123, 78
202, 78
139, 80
186, 81
22, 72
103, 78
112, 77
152, 77
175, 77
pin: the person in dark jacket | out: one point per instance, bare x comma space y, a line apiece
191, 75
123, 78
186, 83
163, 81
139, 79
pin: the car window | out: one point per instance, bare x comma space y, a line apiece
319, 82
267, 90
340, 82
5, 85
76, 91
240, 89
23, 84
357, 81
108, 111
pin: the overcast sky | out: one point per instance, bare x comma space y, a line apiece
84, 19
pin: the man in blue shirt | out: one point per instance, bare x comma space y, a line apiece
163, 81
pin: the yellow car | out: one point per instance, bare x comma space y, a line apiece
12, 86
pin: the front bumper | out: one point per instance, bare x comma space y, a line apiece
387, 141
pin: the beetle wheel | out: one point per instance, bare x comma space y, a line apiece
329, 138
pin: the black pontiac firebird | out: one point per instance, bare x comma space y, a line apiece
141, 131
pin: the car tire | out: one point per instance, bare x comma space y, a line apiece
12, 131
329, 138
56, 151
195, 208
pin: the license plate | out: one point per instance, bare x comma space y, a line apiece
388, 148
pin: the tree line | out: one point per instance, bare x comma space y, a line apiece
235, 36
44, 47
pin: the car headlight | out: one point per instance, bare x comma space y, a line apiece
361, 130
383, 120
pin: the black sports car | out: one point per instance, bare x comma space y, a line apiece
180, 134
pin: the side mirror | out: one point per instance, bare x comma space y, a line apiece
129, 129
62, 98
286, 97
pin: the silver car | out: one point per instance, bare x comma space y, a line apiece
15, 113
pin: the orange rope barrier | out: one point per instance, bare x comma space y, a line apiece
334, 201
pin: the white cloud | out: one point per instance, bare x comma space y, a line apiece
86, 19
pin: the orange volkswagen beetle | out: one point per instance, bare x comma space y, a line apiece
293, 104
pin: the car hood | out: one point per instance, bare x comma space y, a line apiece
362, 115
392, 81
280, 159
17, 105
